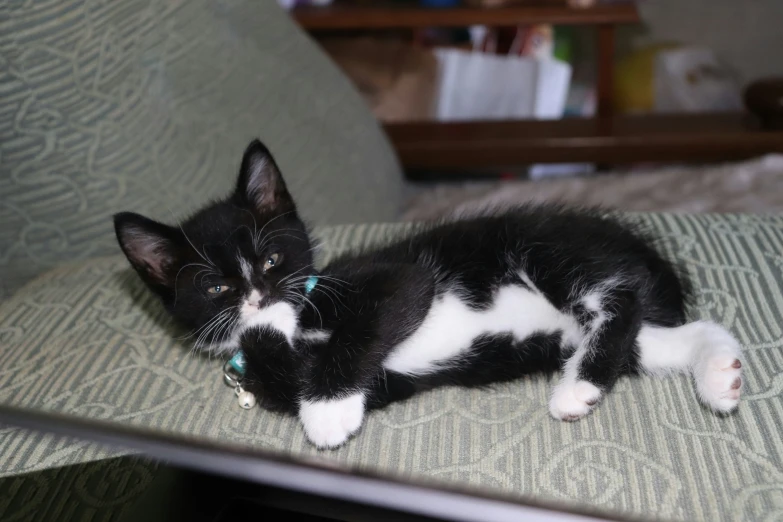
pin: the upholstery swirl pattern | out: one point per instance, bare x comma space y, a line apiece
147, 105
88, 340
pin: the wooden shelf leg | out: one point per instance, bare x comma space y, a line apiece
605, 87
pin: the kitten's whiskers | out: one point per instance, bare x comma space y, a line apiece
293, 274
270, 221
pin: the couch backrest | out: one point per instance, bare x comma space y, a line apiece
147, 106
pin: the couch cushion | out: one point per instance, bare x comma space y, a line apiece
88, 340
147, 106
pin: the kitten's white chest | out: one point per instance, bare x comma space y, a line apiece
451, 325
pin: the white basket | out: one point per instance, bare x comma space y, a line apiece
479, 86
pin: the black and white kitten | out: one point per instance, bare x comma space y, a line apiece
469, 302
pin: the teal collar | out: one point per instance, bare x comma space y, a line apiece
310, 283
237, 362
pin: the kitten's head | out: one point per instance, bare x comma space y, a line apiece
236, 263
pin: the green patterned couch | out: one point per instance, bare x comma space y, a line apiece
144, 105
87, 339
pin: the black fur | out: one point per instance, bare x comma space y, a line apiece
382, 296
369, 302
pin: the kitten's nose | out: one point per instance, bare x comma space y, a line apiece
256, 298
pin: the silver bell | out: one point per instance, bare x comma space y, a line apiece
246, 400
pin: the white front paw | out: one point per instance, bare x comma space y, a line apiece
329, 423
573, 400
280, 316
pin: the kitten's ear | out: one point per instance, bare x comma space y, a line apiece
260, 182
151, 247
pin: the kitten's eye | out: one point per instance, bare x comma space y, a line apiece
218, 289
272, 261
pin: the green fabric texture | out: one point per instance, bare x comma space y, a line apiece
88, 340
147, 106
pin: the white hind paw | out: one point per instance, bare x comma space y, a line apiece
720, 382
573, 400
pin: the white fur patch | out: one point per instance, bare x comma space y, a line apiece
450, 327
280, 316
593, 302
665, 350
529, 282
329, 423
246, 268
573, 398
314, 334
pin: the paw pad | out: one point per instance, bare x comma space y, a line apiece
719, 382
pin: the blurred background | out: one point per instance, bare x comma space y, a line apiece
671, 102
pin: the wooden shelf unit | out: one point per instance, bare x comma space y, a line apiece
385, 14
619, 140
605, 139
